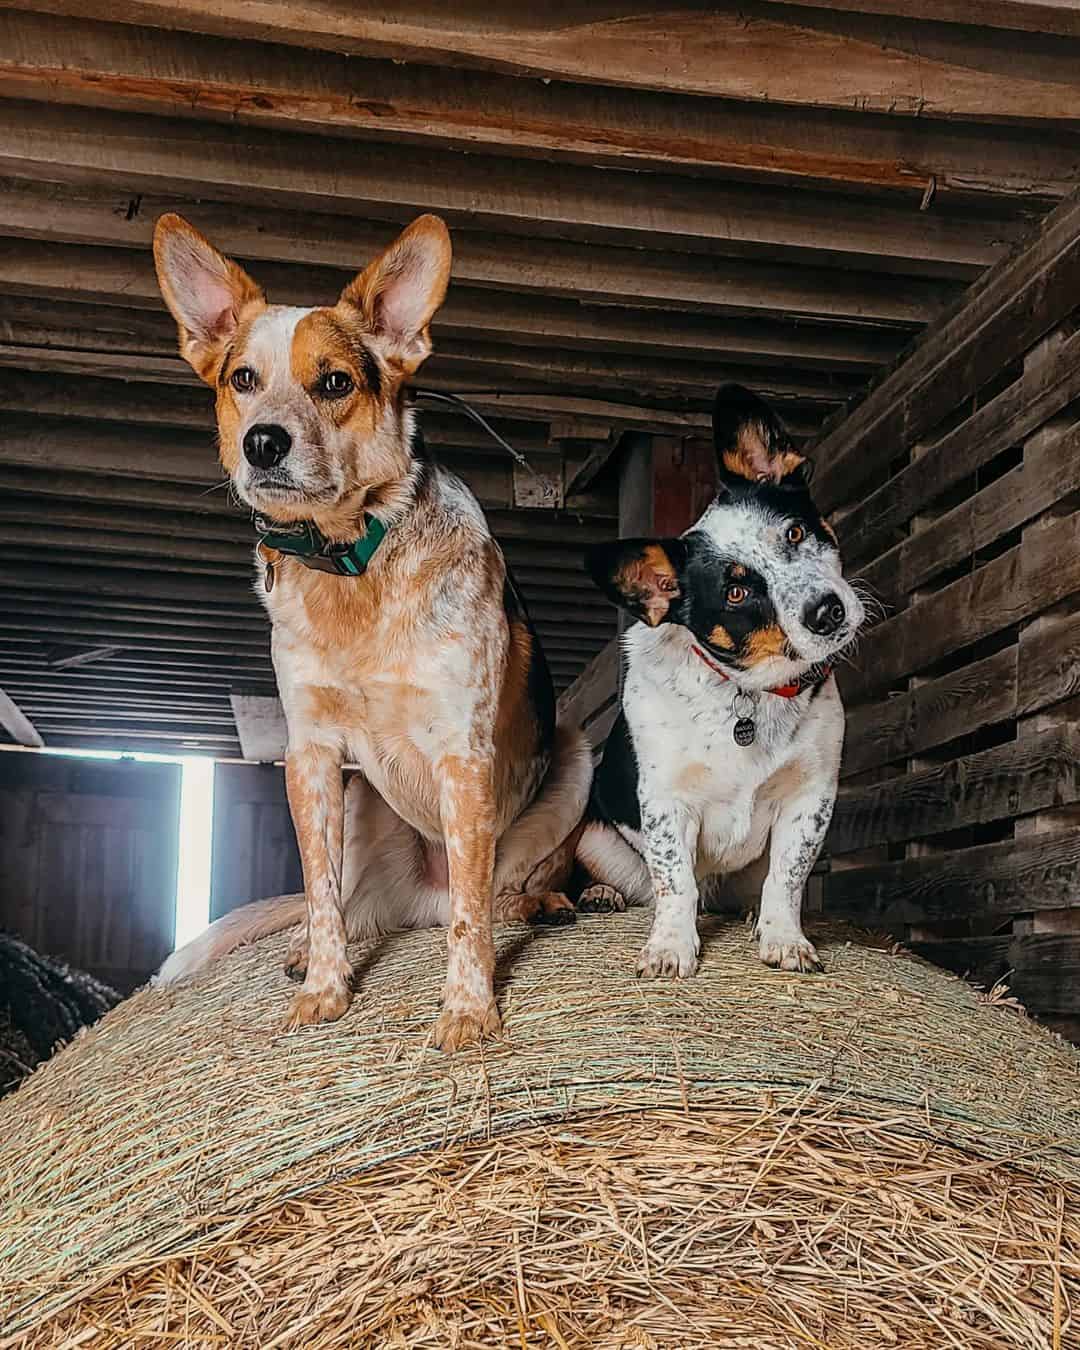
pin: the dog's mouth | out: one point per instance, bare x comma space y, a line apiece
281, 489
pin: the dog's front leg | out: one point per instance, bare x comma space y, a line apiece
797, 837
671, 836
316, 791
468, 815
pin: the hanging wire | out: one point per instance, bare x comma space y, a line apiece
432, 395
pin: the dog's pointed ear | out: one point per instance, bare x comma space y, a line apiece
751, 442
400, 292
205, 292
644, 576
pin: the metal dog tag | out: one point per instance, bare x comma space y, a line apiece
744, 731
744, 706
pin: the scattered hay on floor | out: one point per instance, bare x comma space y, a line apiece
873, 1157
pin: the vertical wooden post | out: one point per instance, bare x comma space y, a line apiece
635, 505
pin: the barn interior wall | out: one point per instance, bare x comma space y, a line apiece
955, 490
89, 851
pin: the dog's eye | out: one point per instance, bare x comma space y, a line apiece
243, 379
795, 534
736, 595
336, 384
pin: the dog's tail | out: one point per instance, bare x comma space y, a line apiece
551, 816
235, 929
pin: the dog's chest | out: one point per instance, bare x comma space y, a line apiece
395, 712
688, 754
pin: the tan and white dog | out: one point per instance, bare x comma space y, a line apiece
399, 641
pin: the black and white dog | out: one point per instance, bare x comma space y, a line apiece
731, 729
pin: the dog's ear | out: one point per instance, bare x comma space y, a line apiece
205, 292
399, 293
751, 442
641, 575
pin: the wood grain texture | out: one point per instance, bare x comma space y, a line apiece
902, 725
983, 883
1042, 970
232, 162
1005, 420
85, 275
321, 93
1015, 303
1037, 773
1017, 585
744, 51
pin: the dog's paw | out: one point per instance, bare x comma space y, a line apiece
669, 958
789, 952
601, 900
545, 907
296, 961
311, 1006
457, 1028
555, 909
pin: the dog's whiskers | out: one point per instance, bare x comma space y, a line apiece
216, 487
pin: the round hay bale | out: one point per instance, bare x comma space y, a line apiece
878, 1156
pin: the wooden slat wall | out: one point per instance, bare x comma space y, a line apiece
955, 488
89, 853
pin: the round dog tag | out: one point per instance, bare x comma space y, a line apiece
744, 731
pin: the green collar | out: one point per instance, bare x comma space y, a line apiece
307, 543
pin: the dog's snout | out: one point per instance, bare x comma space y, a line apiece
825, 615
266, 445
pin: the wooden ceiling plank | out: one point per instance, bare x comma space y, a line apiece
186, 75
736, 49
1014, 305
737, 287
486, 365
1031, 16
516, 196
561, 272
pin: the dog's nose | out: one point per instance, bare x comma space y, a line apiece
826, 615
266, 445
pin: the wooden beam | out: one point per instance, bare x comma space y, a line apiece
743, 286
17, 725
597, 460
1017, 584
517, 196
74, 658
796, 57
159, 670
465, 365
1030, 16
992, 880
105, 581
1013, 306
932, 713
164, 72
1002, 421
542, 284
1022, 777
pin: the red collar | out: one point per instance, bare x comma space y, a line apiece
783, 690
